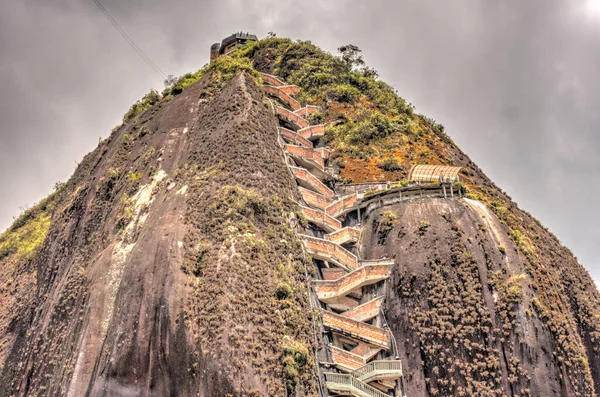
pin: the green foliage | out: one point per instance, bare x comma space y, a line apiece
295, 359
390, 164
225, 67
149, 100
343, 93
133, 177
175, 86
400, 184
460, 187
283, 291
351, 55
502, 249
113, 173
423, 226
26, 235
475, 196
201, 255
385, 224
143, 131
323, 76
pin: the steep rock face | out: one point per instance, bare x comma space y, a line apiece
376, 136
460, 303
130, 300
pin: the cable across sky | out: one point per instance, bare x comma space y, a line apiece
132, 43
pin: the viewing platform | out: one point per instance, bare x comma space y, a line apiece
281, 94
367, 274
356, 329
327, 251
311, 182
292, 137
292, 118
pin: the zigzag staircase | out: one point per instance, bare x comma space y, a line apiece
350, 311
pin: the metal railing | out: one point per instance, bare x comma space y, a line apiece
348, 383
393, 366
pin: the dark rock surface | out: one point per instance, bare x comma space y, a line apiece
117, 311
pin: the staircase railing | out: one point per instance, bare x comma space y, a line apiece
364, 275
327, 250
347, 383
393, 366
356, 329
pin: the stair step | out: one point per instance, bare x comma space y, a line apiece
327, 251
355, 329
329, 290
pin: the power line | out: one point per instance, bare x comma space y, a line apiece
136, 48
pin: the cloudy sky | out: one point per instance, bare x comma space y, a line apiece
515, 83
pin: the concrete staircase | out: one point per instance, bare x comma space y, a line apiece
344, 236
350, 314
329, 290
311, 182
295, 138
348, 385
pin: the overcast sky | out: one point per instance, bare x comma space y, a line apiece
515, 82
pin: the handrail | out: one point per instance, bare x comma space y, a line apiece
367, 332
378, 365
352, 385
284, 96
321, 219
312, 181
358, 313
300, 122
307, 154
273, 80
344, 235
294, 137
336, 252
349, 281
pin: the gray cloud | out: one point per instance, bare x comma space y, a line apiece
514, 82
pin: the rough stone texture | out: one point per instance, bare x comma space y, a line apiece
455, 332
116, 306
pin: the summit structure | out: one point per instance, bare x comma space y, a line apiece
230, 43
